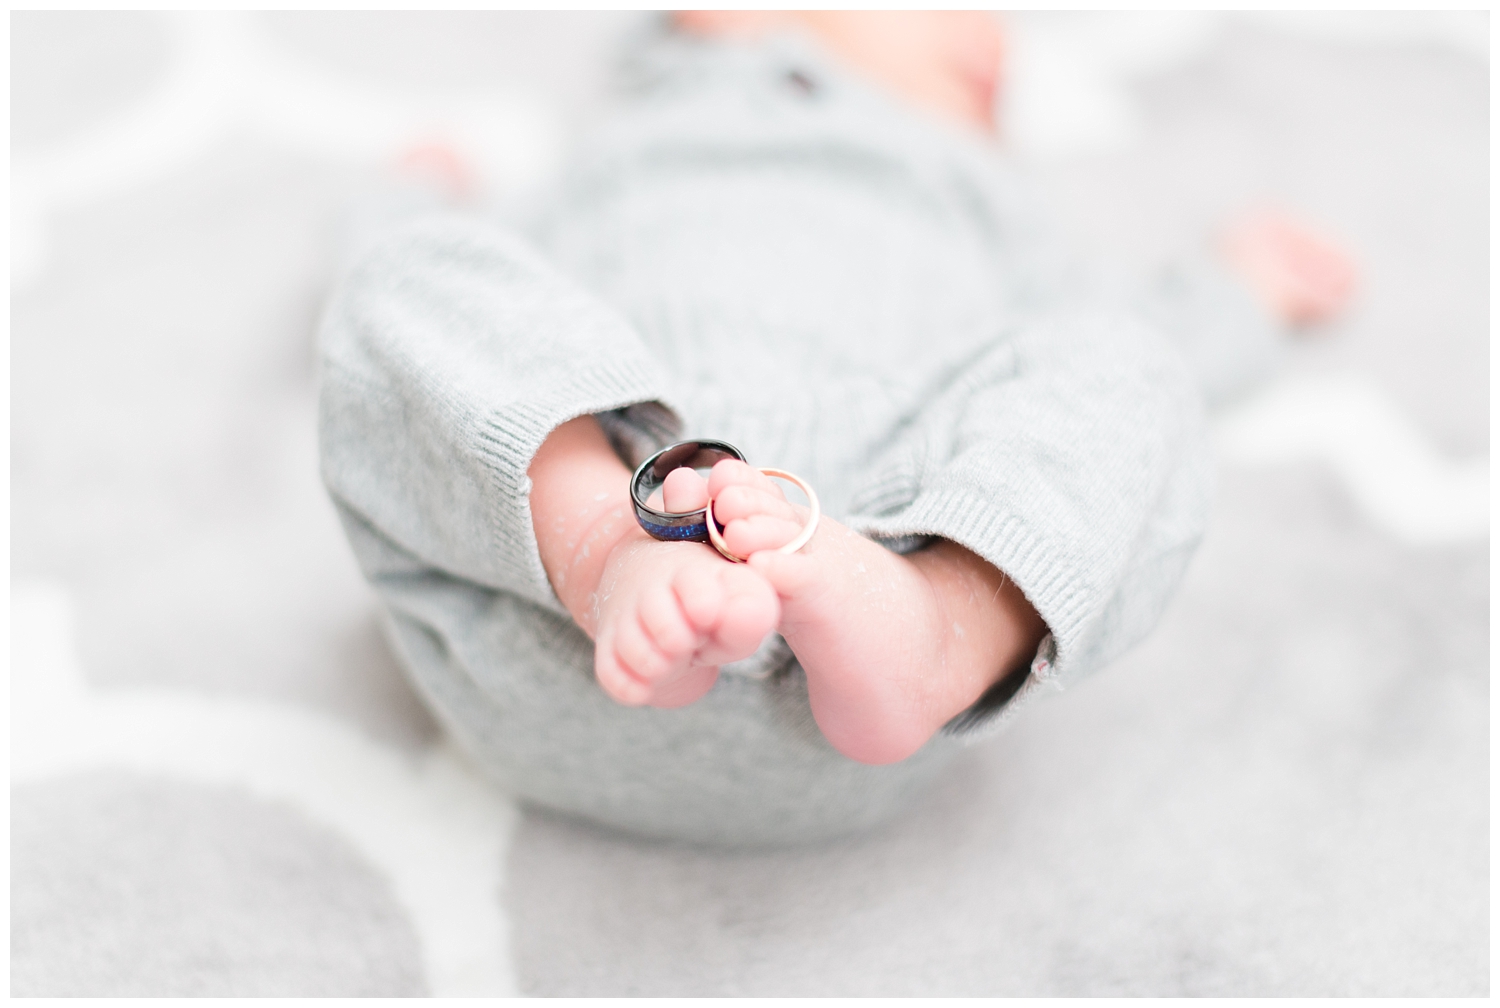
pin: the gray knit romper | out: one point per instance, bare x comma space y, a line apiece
763, 249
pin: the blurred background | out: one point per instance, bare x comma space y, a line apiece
223, 785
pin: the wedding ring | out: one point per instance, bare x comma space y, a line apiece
680, 526
716, 537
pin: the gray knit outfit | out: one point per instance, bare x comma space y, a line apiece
760, 249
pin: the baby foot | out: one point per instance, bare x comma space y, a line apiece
670, 613
893, 647
1301, 276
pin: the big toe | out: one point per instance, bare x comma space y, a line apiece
797, 578
733, 472
748, 536
751, 610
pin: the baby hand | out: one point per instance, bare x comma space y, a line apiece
1301, 276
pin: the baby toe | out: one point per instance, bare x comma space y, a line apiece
700, 593
739, 501
683, 490
759, 532
639, 658
614, 677
665, 623
751, 610
733, 472
797, 578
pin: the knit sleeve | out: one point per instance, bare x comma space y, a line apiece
1073, 457
1229, 340
448, 354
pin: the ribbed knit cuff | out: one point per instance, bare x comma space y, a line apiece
509, 440
1002, 701
1045, 576
1048, 579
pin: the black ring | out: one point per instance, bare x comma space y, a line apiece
688, 526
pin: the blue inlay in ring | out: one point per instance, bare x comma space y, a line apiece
689, 526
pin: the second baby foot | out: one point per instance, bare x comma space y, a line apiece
893, 646
670, 613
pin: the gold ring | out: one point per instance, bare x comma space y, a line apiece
715, 537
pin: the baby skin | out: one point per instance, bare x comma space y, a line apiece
892, 646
